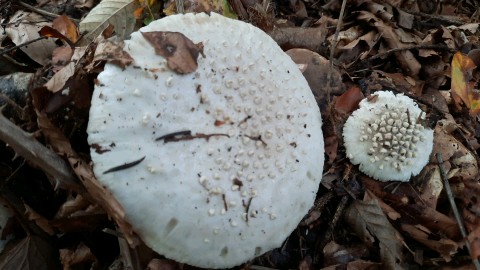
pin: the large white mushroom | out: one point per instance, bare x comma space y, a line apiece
386, 138
214, 166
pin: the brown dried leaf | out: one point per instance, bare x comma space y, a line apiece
334, 253
474, 239
48, 31
57, 82
446, 247
356, 265
72, 205
80, 222
370, 223
112, 52
41, 221
413, 212
406, 59
61, 56
387, 209
348, 101
331, 146
315, 69
66, 27
82, 254
432, 186
181, 53
24, 27
455, 152
29, 253
84, 171
162, 264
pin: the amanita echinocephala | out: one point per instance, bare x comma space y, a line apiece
386, 138
214, 162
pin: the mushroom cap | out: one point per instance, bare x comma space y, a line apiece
386, 139
220, 165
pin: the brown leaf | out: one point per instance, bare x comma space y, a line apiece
162, 264
61, 56
57, 82
387, 209
453, 151
474, 239
446, 247
48, 31
369, 223
181, 53
331, 145
109, 51
24, 27
66, 27
348, 101
405, 58
462, 86
84, 171
41, 221
29, 253
82, 254
413, 212
315, 69
72, 205
335, 253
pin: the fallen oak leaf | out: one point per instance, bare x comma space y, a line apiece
181, 53
462, 86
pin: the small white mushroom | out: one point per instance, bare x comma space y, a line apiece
392, 154
214, 161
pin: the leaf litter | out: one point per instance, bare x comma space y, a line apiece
429, 53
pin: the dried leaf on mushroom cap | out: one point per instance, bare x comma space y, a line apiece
386, 138
216, 166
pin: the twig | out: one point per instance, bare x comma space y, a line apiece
42, 12
338, 213
447, 19
298, 37
332, 48
21, 45
37, 154
439, 47
455, 211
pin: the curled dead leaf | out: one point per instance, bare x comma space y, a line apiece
181, 53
